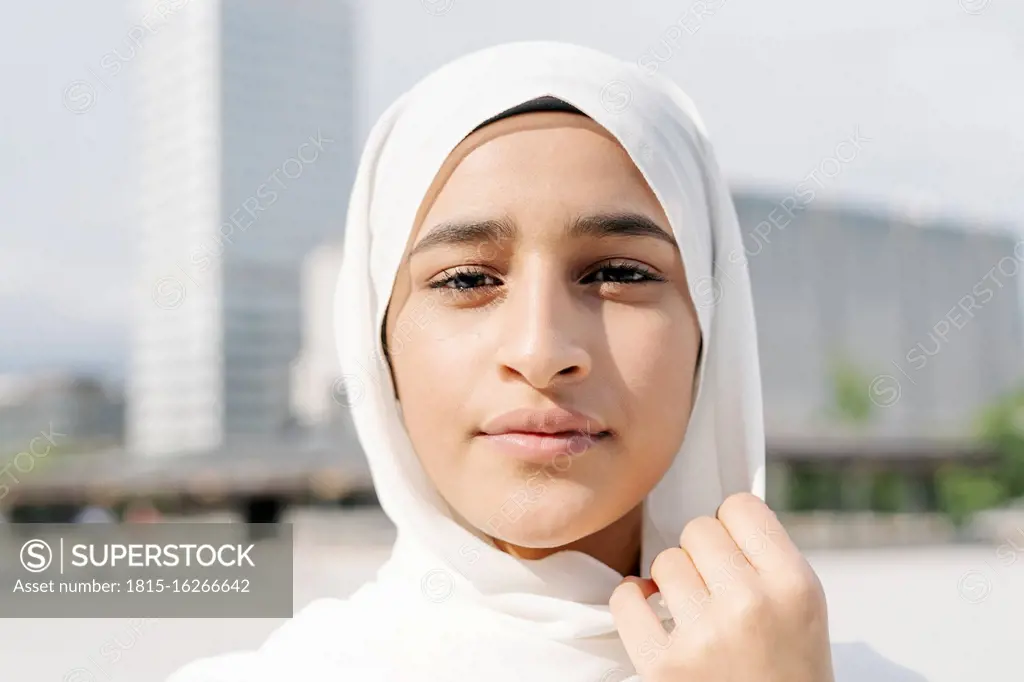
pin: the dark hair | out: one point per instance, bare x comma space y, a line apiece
545, 103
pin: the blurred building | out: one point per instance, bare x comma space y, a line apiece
58, 410
922, 322
882, 339
244, 126
320, 395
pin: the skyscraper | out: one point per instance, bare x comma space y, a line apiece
245, 151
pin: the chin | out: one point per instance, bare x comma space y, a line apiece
558, 513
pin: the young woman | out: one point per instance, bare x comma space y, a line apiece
546, 322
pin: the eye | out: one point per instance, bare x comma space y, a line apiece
460, 280
622, 272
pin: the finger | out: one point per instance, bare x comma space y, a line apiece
646, 585
721, 563
680, 584
757, 531
635, 620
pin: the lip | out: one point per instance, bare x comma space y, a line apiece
544, 436
553, 420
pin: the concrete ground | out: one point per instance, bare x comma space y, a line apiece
951, 613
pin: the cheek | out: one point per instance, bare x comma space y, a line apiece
654, 353
435, 373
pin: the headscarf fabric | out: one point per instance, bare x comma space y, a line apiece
449, 605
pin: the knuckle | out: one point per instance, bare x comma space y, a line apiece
743, 503
802, 590
668, 563
618, 597
696, 528
752, 605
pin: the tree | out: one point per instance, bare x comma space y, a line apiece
851, 400
965, 490
1001, 426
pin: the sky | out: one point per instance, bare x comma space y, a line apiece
933, 88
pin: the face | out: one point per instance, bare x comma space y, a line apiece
541, 334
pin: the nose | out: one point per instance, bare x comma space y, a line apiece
544, 332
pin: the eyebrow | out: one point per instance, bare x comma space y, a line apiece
600, 226
619, 225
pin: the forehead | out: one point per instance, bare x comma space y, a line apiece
536, 162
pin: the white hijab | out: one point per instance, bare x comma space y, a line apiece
448, 605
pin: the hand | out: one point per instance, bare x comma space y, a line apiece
746, 604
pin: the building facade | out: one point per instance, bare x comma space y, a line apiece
245, 123
926, 316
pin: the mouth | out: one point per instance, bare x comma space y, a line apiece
544, 448
544, 435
